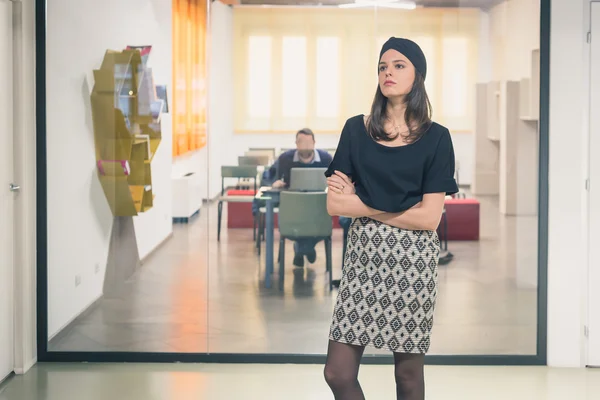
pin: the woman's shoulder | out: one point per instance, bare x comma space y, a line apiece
354, 126
439, 139
356, 121
437, 133
438, 130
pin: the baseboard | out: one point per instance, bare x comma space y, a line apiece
156, 248
185, 220
4, 381
65, 327
30, 363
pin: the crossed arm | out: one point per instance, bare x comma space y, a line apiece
342, 201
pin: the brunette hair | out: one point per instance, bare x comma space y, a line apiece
417, 115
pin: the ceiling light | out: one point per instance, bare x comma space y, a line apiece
404, 5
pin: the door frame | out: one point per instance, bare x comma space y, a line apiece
8, 225
25, 164
42, 262
592, 230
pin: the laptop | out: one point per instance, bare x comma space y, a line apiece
308, 179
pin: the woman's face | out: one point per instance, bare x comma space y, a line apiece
396, 74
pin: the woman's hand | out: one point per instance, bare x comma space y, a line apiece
340, 183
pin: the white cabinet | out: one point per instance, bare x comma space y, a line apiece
187, 196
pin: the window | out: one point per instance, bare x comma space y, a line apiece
427, 44
259, 76
455, 53
328, 77
380, 42
293, 74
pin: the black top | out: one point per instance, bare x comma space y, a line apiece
393, 179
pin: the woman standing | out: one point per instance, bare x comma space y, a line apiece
391, 172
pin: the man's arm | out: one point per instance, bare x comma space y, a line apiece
285, 166
424, 216
270, 175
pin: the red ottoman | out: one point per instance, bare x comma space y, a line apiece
239, 215
336, 222
462, 217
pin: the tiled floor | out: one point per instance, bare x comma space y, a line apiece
198, 295
289, 382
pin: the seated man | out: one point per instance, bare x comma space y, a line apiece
279, 175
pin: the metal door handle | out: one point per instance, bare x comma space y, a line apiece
14, 188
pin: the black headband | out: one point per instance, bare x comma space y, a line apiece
410, 49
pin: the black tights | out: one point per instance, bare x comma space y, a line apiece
341, 373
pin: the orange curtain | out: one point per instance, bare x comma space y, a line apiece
189, 75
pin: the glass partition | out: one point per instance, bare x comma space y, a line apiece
187, 144
127, 166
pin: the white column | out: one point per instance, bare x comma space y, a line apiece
567, 195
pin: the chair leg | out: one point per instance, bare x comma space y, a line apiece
329, 267
281, 261
254, 228
257, 238
281, 251
219, 212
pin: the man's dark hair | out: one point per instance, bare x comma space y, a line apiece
307, 132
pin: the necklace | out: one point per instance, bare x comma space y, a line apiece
396, 128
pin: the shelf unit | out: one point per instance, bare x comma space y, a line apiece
507, 141
126, 134
529, 93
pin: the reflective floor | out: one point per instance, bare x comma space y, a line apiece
289, 382
197, 295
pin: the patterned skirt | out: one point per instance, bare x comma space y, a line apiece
388, 289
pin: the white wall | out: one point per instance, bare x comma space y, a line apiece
223, 148
79, 219
514, 32
567, 263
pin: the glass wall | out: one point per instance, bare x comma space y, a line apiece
186, 149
